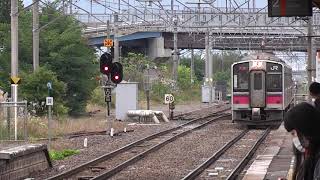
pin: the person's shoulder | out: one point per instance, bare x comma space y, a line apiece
316, 172
317, 103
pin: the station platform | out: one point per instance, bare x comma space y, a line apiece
19, 161
276, 161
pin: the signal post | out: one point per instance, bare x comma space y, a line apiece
114, 73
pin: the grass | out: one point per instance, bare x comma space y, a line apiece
60, 155
6, 134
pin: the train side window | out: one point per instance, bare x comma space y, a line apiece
257, 81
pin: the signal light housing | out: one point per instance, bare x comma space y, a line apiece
116, 73
106, 63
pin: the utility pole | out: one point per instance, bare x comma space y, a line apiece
210, 66
192, 65
35, 32
70, 7
175, 55
309, 63
115, 38
174, 22
226, 6
207, 56
108, 34
14, 57
254, 5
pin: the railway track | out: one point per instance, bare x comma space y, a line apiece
191, 114
197, 172
101, 168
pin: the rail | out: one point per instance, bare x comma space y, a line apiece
119, 151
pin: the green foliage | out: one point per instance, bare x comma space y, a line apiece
97, 96
5, 11
4, 134
222, 61
198, 66
222, 76
158, 91
63, 51
134, 66
193, 93
184, 78
187, 91
34, 89
68, 54
60, 155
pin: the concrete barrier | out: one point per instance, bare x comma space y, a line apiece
148, 114
21, 161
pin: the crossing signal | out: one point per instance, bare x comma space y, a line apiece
106, 63
116, 73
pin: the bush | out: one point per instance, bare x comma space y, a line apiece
158, 91
97, 96
184, 79
34, 89
60, 155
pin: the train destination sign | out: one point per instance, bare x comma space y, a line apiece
289, 8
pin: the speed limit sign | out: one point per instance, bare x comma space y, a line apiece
168, 98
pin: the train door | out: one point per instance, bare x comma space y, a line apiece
257, 89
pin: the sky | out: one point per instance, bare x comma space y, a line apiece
84, 3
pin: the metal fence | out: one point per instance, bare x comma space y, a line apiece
13, 120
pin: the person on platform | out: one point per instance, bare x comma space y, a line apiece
303, 122
314, 90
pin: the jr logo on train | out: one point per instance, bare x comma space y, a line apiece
262, 90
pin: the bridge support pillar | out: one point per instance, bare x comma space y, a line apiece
156, 48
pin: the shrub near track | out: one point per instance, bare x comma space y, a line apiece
60, 155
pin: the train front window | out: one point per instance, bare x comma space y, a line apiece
257, 81
274, 82
241, 77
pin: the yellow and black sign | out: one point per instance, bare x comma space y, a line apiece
108, 43
15, 80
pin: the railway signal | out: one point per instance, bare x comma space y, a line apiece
113, 73
116, 73
106, 63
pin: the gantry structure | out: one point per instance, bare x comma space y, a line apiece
200, 24
232, 24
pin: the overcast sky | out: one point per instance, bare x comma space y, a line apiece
84, 3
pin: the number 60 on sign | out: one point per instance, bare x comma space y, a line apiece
168, 98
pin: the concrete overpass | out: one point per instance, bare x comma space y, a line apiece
239, 29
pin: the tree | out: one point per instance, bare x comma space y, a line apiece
34, 89
134, 66
5, 6
221, 65
199, 66
184, 79
63, 51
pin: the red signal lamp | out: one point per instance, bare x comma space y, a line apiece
105, 63
116, 73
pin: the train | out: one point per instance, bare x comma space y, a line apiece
262, 90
